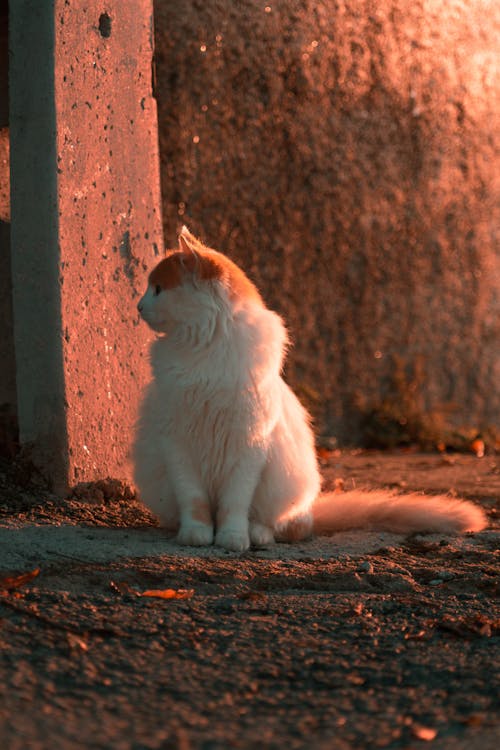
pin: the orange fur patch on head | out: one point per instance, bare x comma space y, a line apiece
201, 265
170, 272
167, 274
205, 265
237, 283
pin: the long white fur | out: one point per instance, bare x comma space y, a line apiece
223, 448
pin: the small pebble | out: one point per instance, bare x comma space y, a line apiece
366, 567
446, 575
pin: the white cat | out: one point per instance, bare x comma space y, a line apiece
223, 448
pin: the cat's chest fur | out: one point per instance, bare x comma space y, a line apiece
207, 396
208, 405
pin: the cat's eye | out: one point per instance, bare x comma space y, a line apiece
157, 290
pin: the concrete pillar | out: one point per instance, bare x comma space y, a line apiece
8, 408
86, 227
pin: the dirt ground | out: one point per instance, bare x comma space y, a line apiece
362, 640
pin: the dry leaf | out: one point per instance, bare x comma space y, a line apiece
424, 733
169, 593
124, 588
13, 582
477, 447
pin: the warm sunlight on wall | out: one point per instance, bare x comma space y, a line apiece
344, 153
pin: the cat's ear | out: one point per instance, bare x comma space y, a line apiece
187, 241
187, 246
183, 245
190, 260
195, 259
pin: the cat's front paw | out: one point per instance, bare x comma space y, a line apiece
195, 535
235, 540
260, 535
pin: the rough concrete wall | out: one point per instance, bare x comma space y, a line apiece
8, 405
107, 153
346, 154
85, 173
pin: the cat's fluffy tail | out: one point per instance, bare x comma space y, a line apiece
382, 509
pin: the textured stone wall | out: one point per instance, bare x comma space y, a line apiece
85, 227
8, 398
346, 154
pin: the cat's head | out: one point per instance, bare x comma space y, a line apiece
191, 285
